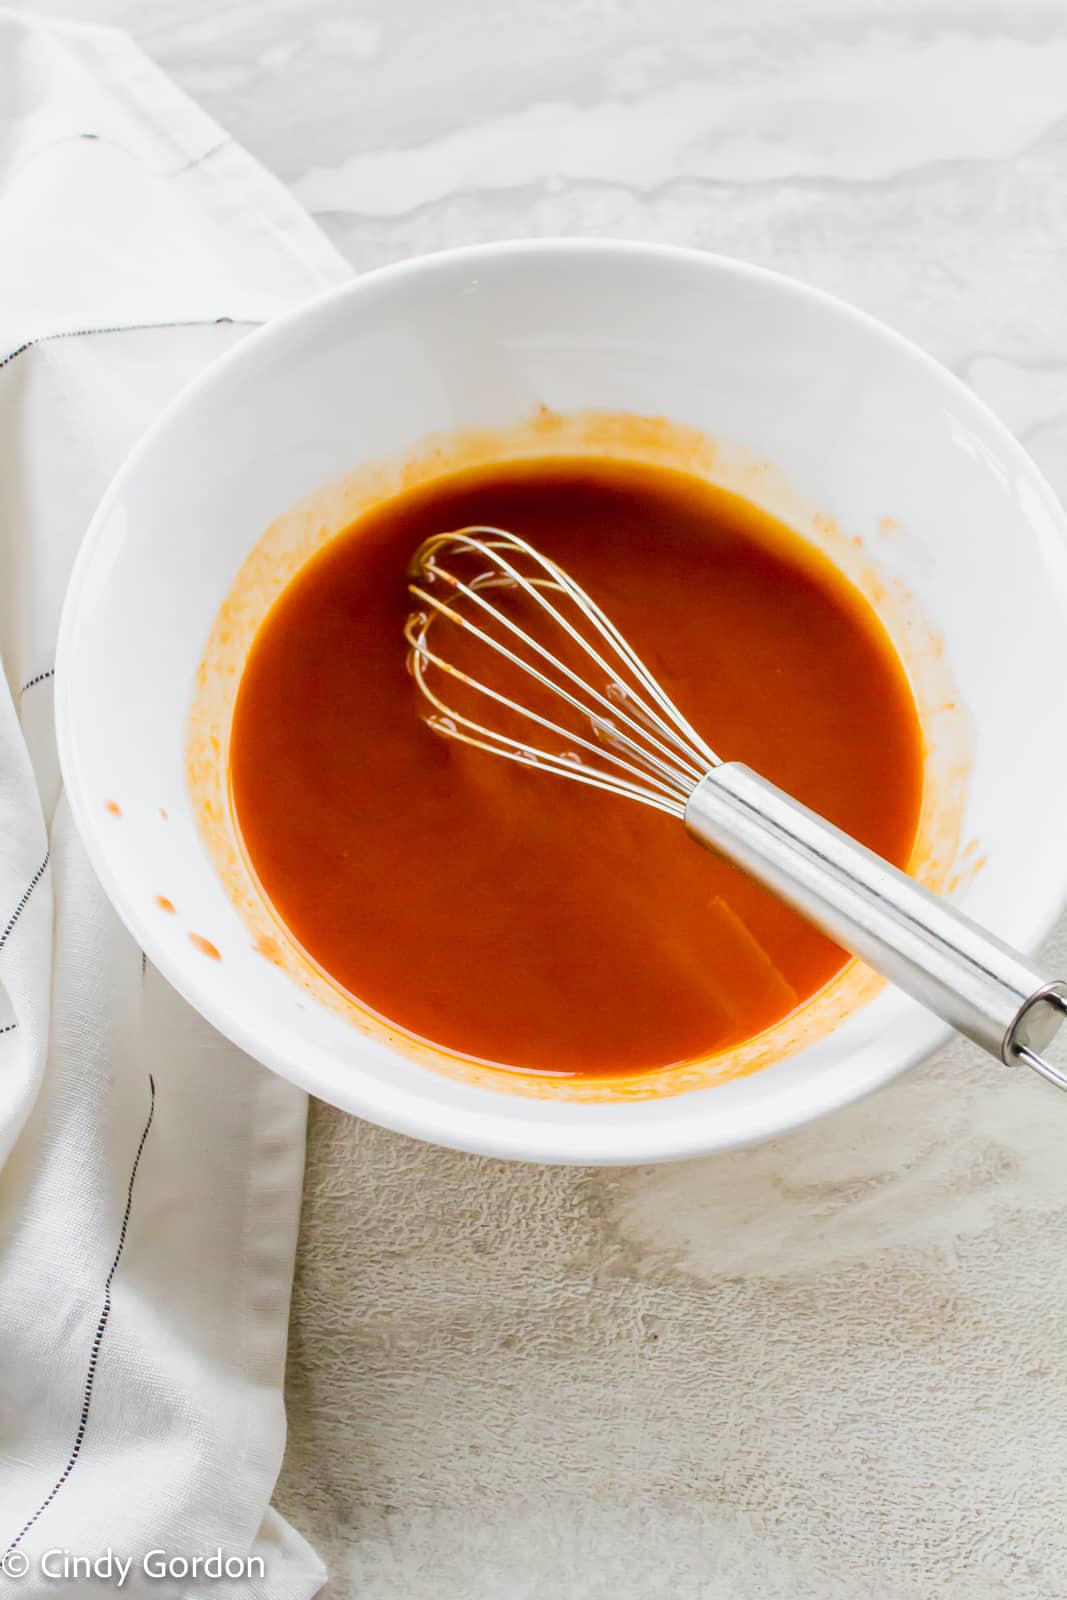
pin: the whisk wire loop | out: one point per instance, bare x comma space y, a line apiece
590, 712
451, 721
652, 752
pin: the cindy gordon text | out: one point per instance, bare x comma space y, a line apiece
60, 1566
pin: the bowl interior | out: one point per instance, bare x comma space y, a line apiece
859, 424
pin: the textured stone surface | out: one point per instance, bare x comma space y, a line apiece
834, 1366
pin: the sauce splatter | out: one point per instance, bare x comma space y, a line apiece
164, 904
164, 814
516, 918
115, 810
205, 946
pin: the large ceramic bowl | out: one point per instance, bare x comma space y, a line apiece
865, 443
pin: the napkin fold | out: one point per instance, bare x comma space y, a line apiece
150, 1173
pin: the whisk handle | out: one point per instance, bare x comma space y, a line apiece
951, 965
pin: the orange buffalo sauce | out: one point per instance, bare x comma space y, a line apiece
511, 916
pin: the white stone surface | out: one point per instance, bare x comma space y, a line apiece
835, 1366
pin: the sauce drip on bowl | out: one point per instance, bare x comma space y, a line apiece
519, 919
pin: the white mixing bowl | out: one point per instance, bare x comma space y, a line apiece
910, 474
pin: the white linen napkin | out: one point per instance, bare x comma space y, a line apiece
150, 1179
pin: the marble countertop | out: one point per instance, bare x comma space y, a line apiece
834, 1366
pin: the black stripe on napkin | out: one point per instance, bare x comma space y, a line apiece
41, 677
23, 903
98, 1337
132, 327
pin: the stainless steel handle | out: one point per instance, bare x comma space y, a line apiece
980, 985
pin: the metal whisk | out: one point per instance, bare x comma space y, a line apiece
536, 673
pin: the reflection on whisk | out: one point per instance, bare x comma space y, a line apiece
493, 607
585, 689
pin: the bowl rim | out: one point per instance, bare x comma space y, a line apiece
492, 1133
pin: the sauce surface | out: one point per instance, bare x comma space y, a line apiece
511, 916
